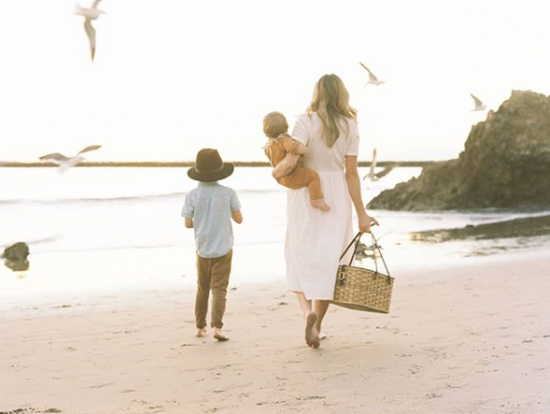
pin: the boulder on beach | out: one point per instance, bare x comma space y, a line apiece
15, 257
505, 164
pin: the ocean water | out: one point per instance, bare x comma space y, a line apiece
102, 229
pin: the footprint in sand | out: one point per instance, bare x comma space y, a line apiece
433, 395
101, 385
62, 306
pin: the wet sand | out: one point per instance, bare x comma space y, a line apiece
516, 228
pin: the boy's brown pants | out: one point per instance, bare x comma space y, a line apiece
304, 177
212, 274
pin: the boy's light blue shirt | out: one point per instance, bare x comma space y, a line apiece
210, 206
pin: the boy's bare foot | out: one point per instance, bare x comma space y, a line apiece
219, 335
320, 204
312, 336
201, 332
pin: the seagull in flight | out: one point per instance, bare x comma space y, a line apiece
371, 175
480, 106
67, 162
372, 78
89, 14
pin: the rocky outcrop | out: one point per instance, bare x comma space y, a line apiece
505, 164
15, 257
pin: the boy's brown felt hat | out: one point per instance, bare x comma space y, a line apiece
209, 167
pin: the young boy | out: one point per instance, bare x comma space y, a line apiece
279, 144
208, 209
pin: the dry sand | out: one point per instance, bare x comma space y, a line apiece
467, 339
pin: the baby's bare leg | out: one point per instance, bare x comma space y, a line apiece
306, 177
320, 204
315, 192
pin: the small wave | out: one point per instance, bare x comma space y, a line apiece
131, 198
95, 199
31, 242
134, 246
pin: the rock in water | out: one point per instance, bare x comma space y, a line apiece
15, 257
505, 164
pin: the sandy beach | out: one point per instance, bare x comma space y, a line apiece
472, 338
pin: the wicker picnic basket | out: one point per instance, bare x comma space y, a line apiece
363, 289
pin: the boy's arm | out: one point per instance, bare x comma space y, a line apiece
237, 216
188, 211
235, 205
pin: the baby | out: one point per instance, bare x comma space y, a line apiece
279, 144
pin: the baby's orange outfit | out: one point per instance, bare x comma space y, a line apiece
276, 149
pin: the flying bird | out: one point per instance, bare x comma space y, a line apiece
371, 175
372, 78
89, 14
480, 106
65, 162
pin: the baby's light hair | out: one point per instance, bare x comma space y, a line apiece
275, 124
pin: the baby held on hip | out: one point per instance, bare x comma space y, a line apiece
284, 154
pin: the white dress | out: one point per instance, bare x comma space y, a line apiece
315, 239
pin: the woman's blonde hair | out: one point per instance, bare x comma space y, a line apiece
331, 102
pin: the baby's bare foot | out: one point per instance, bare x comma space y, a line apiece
201, 332
311, 334
219, 335
320, 204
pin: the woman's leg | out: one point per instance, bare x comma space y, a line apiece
311, 333
305, 304
320, 308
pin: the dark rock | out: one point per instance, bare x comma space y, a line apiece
15, 257
505, 164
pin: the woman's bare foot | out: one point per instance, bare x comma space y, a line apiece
219, 335
312, 336
201, 332
320, 204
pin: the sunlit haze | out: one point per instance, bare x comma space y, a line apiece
171, 77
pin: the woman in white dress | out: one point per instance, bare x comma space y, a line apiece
315, 239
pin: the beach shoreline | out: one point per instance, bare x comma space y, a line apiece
186, 164
467, 338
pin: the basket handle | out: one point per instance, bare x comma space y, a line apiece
375, 245
355, 240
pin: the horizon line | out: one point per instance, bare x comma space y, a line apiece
174, 164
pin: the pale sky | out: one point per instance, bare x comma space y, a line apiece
172, 76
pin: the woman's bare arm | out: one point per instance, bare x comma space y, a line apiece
354, 188
301, 149
188, 223
286, 166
